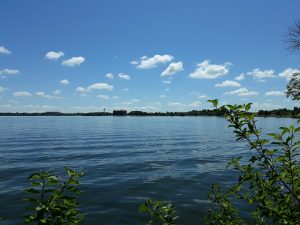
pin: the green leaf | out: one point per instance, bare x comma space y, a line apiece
215, 102
248, 106
32, 190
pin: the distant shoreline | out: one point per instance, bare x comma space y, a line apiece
288, 113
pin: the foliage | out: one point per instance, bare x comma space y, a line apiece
270, 180
293, 87
293, 36
53, 200
161, 213
223, 212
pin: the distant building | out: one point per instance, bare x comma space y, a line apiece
119, 113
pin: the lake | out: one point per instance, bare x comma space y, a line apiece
125, 160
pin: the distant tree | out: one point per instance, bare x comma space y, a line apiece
293, 36
293, 87
293, 41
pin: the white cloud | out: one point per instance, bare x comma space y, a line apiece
147, 63
202, 96
195, 104
80, 90
134, 62
44, 95
241, 92
162, 96
100, 86
103, 97
240, 77
176, 104
57, 92
74, 61
173, 68
2, 89
4, 50
131, 102
40, 93
210, 71
274, 93
166, 82
9, 72
115, 97
54, 55
22, 94
261, 74
109, 76
124, 76
64, 82
249, 93
228, 83
287, 73
125, 89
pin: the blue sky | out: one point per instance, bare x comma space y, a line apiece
170, 55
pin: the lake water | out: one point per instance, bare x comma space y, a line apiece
125, 160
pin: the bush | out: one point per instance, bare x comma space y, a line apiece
53, 201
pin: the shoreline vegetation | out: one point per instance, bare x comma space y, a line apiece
290, 113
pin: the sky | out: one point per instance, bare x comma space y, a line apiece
158, 55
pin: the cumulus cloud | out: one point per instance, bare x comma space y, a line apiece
287, 73
240, 77
228, 83
124, 76
4, 50
64, 82
74, 61
195, 104
22, 94
105, 97
100, 86
40, 93
9, 72
274, 93
206, 70
80, 90
173, 68
134, 62
147, 63
166, 82
44, 95
54, 55
202, 96
109, 76
176, 104
131, 102
57, 92
241, 92
261, 74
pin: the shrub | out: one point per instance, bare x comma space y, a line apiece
53, 201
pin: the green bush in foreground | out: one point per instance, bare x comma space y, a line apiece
53, 201
161, 213
269, 181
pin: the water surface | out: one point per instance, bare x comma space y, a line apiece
125, 159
